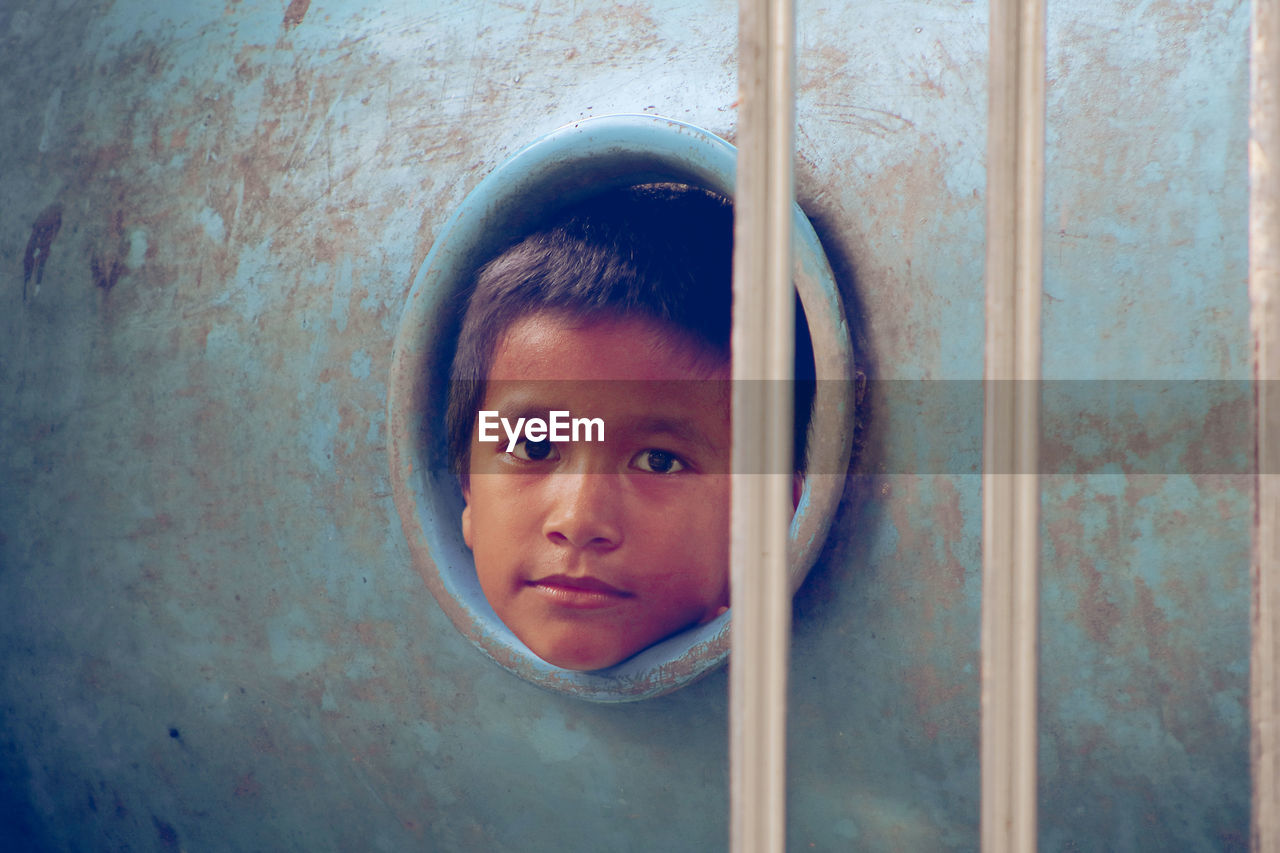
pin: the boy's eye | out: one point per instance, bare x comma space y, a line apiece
535, 451
657, 462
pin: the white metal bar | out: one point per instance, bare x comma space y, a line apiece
1010, 483
1264, 293
762, 368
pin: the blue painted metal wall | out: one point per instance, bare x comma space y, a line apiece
210, 633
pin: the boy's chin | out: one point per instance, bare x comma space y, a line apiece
582, 661
580, 654
585, 651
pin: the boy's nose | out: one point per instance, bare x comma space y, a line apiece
584, 512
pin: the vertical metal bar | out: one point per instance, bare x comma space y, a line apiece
762, 368
1010, 483
1264, 293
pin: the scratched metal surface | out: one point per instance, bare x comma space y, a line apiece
210, 633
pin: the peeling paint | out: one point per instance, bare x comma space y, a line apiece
296, 11
43, 231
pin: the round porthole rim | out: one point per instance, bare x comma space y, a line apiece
582, 159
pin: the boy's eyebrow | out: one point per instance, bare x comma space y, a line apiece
515, 399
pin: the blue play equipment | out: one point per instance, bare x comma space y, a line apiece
214, 247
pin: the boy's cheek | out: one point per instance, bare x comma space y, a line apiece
713, 613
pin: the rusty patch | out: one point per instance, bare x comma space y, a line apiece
1227, 428
43, 230
932, 694
622, 27
295, 13
1099, 613
372, 634
149, 527
107, 260
950, 521
1136, 489
1155, 624
820, 65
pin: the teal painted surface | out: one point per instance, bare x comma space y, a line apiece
211, 636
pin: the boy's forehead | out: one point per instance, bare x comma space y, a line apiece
651, 405
551, 345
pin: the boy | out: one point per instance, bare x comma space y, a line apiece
617, 315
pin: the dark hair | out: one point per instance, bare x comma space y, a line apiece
662, 251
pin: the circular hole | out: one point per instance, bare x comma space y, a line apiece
568, 165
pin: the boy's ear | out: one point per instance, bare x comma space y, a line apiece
797, 488
466, 517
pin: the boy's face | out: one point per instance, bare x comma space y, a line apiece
591, 551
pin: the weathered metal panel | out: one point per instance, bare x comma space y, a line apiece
210, 632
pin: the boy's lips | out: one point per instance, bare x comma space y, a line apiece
584, 592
